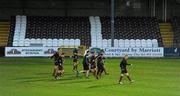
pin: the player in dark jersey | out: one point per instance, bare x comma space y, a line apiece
105, 71
59, 63
124, 70
100, 65
75, 61
93, 63
55, 56
86, 64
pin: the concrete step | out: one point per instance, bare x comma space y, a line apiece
167, 36
3, 38
4, 23
3, 41
165, 30
4, 35
165, 24
165, 27
4, 29
3, 44
167, 33
167, 39
4, 32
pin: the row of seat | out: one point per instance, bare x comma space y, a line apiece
20, 28
92, 31
95, 29
56, 27
176, 29
48, 42
126, 43
132, 28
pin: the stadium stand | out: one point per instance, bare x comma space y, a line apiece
96, 36
90, 31
70, 30
131, 30
4, 33
176, 30
51, 31
11, 32
166, 34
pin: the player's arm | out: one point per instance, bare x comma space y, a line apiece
97, 56
62, 55
87, 60
129, 64
52, 56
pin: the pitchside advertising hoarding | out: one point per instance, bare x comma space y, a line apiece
109, 52
171, 52
30, 51
134, 52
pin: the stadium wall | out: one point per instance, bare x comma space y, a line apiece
84, 8
2, 51
109, 52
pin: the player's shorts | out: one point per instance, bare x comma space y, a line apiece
85, 67
60, 67
93, 66
75, 60
123, 71
100, 66
56, 63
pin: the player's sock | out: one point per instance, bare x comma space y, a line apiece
120, 79
97, 77
77, 73
120, 83
54, 72
132, 81
87, 74
129, 78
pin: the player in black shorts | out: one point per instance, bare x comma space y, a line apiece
105, 71
100, 65
124, 70
75, 61
55, 56
59, 63
93, 63
86, 64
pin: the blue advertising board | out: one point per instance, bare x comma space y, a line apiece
171, 52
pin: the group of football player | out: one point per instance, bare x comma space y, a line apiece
92, 63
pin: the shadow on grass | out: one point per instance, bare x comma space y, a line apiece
100, 86
73, 82
66, 79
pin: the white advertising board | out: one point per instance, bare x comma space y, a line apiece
134, 52
29, 51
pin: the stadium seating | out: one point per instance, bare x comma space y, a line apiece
51, 31
176, 29
96, 36
11, 33
90, 31
131, 29
20, 31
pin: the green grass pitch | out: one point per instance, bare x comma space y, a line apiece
32, 77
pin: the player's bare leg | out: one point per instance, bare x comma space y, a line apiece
54, 71
57, 74
106, 73
99, 72
95, 73
127, 75
74, 66
75, 69
87, 73
120, 78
